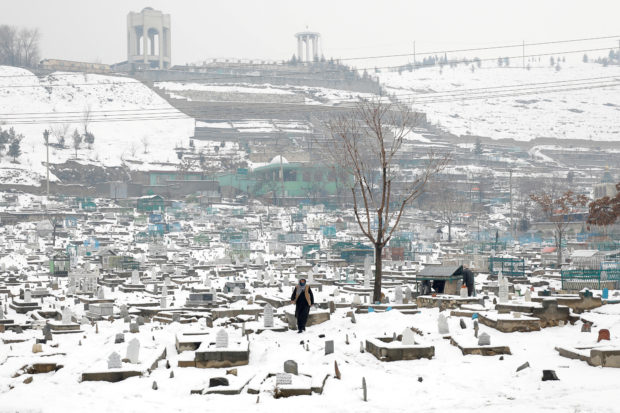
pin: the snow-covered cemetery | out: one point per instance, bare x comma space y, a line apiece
436, 232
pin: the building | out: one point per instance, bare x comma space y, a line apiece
150, 203
148, 40
71, 66
607, 186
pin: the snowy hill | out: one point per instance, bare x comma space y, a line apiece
124, 114
541, 102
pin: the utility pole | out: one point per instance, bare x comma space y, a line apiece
46, 137
511, 217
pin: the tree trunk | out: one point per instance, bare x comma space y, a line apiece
376, 295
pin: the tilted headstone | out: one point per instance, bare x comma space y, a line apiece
442, 324
221, 339
290, 366
408, 337
114, 361
133, 351
484, 340
268, 316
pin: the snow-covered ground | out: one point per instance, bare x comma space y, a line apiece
540, 104
124, 114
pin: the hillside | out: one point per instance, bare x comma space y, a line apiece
540, 102
124, 114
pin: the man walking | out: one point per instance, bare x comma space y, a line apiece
303, 299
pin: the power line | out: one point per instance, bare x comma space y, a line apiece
482, 48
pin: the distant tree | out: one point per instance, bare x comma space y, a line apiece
558, 67
570, 176
60, 132
506, 61
77, 141
19, 47
293, 60
500, 61
478, 147
89, 139
478, 61
86, 117
145, 144
15, 147
551, 61
559, 211
585, 58
448, 205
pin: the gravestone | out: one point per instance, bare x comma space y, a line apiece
218, 381
442, 324
523, 366
236, 291
462, 324
408, 337
408, 295
364, 389
176, 317
119, 338
140, 320
356, 300
27, 296
463, 291
336, 292
549, 375
114, 361
124, 311
221, 339
268, 316
503, 288
134, 328
586, 328
367, 270
290, 366
284, 379
398, 295
528, 295
329, 347
100, 294
484, 340
135, 277
66, 316
603, 334
47, 332
133, 351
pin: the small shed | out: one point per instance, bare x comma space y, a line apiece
440, 279
150, 203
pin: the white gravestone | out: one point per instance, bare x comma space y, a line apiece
27, 296
133, 351
66, 316
114, 361
268, 316
528, 295
135, 277
408, 337
367, 270
221, 339
442, 324
356, 300
398, 295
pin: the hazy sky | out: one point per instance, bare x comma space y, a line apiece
92, 30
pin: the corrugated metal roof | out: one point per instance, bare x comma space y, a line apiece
439, 270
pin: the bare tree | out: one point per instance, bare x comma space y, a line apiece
559, 211
77, 141
19, 48
145, 144
86, 117
59, 131
185, 166
448, 205
366, 143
